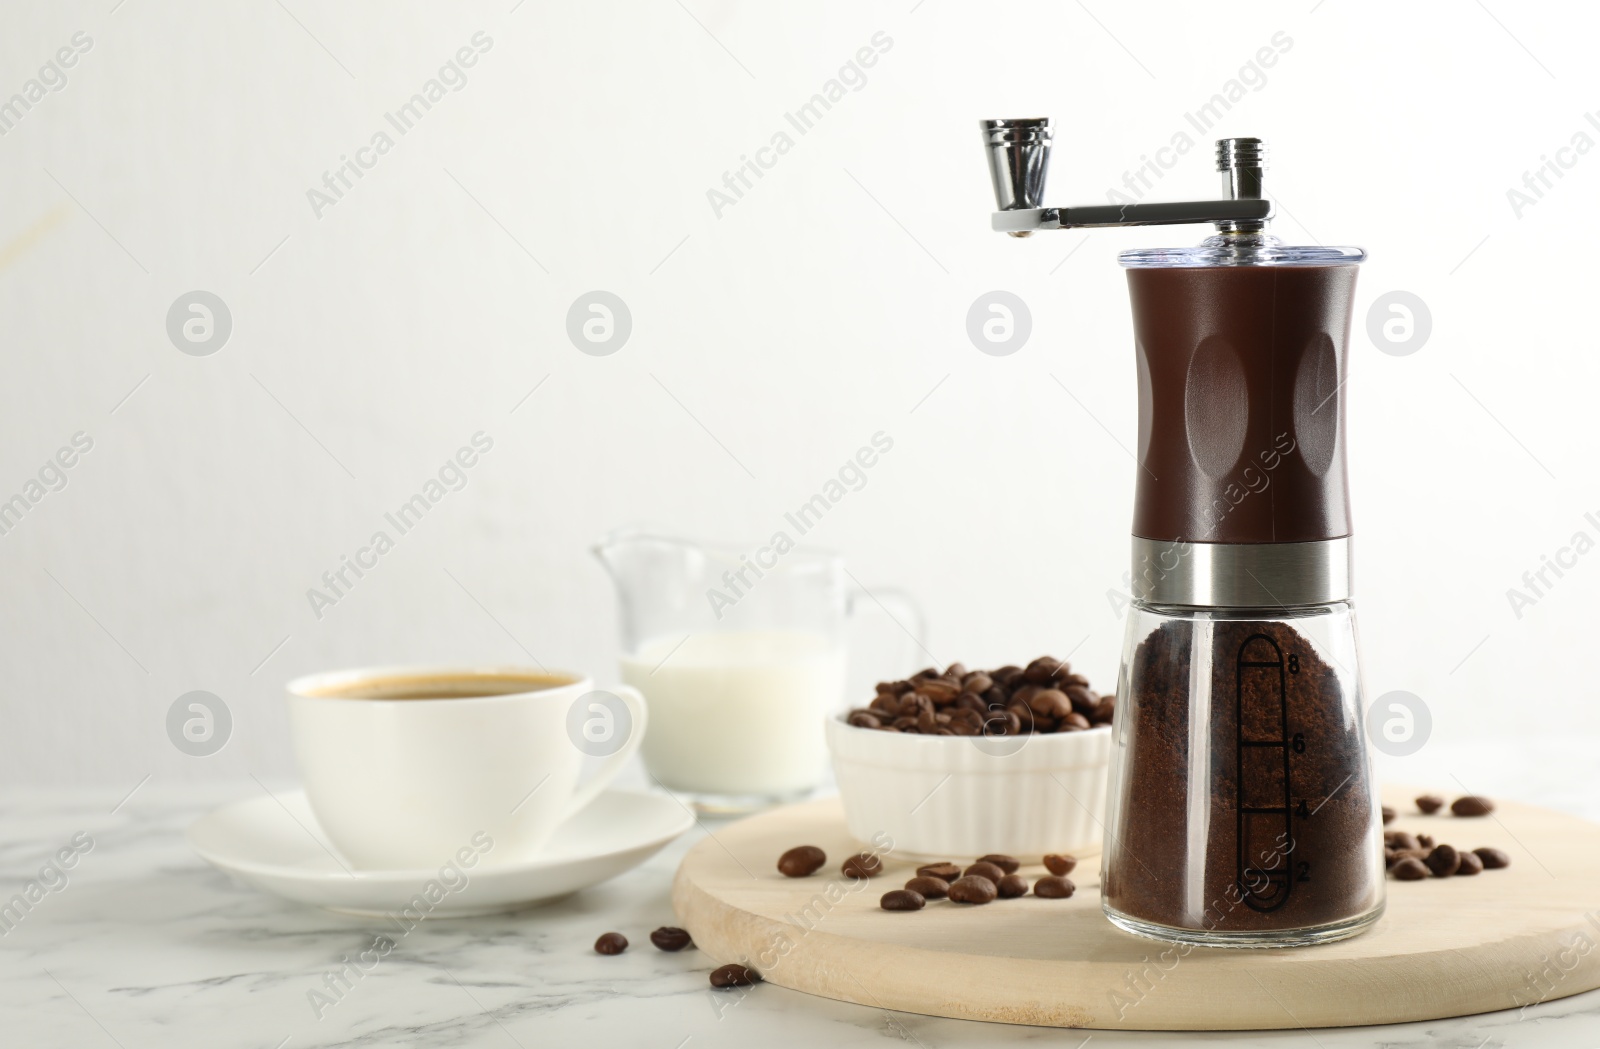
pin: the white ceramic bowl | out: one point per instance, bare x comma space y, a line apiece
959, 797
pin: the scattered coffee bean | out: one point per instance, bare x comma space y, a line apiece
801, 861
929, 887
1056, 863
1471, 863
1390, 857
1410, 869
1389, 815
1054, 887
902, 900
972, 888
1443, 861
611, 943
734, 975
862, 865
1428, 804
1010, 886
946, 871
1008, 864
1400, 840
1425, 841
1493, 859
671, 938
984, 869
1472, 805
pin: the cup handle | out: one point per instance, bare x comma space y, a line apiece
902, 609
612, 764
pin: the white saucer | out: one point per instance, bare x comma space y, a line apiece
285, 853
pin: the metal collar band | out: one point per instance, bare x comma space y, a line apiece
1240, 575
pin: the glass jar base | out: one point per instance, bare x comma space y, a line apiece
1306, 937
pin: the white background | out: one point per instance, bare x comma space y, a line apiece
821, 308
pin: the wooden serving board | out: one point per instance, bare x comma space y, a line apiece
1500, 940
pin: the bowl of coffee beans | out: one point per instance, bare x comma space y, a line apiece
956, 761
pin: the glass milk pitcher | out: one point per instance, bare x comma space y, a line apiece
740, 655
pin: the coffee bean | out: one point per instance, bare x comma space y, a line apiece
1410, 869
940, 690
1054, 887
972, 702
1388, 815
1008, 864
1044, 669
929, 887
1011, 886
801, 861
1006, 674
1428, 804
671, 938
611, 943
903, 900
1425, 841
986, 870
1400, 840
978, 682
956, 670
1074, 722
862, 865
1050, 703
1471, 863
1443, 861
973, 888
947, 871
1472, 805
1390, 857
1493, 859
1056, 863
865, 719
734, 975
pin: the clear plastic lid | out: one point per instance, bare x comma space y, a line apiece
1241, 249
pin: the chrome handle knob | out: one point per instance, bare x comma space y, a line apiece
1019, 157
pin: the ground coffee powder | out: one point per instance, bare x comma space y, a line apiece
1245, 807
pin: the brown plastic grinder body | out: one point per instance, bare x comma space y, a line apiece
1241, 373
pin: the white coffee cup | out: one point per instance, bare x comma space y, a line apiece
405, 783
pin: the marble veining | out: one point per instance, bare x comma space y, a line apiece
146, 945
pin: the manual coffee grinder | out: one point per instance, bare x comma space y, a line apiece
1242, 810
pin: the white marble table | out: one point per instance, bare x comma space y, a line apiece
147, 946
